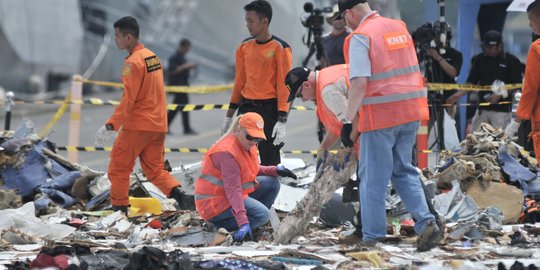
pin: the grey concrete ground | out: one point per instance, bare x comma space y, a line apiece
301, 128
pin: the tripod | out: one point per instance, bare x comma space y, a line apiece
316, 48
435, 101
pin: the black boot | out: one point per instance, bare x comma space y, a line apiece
185, 202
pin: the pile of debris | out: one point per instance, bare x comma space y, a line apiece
56, 215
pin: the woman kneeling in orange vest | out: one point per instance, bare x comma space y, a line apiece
234, 192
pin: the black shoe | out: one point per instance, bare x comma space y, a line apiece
185, 202
124, 209
190, 132
430, 238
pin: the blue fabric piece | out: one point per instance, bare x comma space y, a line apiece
534, 186
42, 203
59, 197
517, 172
447, 164
57, 169
230, 264
30, 175
96, 200
63, 182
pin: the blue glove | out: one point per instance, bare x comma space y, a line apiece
322, 155
243, 232
284, 172
342, 157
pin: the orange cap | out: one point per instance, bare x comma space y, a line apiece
253, 124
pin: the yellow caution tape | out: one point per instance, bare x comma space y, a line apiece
59, 112
467, 87
171, 107
185, 150
482, 104
204, 89
201, 107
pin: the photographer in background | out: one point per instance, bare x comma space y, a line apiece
493, 67
333, 42
442, 65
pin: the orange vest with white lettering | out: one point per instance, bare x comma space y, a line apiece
210, 198
395, 92
327, 76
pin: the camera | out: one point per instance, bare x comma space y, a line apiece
428, 35
314, 22
423, 36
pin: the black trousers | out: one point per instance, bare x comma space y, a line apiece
179, 98
267, 109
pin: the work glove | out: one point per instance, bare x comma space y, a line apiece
226, 124
345, 135
512, 128
284, 172
342, 157
321, 158
102, 135
498, 88
279, 133
243, 232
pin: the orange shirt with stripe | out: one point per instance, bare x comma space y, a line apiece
260, 71
143, 105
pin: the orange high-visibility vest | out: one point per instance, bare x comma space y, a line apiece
325, 77
210, 198
346, 44
395, 91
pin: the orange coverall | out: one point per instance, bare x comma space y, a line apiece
142, 117
529, 104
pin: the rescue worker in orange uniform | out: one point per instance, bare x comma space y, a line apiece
140, 120
529, 104
262, 61
387, 98
328, 89
235, 192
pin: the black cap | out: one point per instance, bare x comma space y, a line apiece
492, 38
294, 80
347, 4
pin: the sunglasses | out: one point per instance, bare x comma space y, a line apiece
252, 139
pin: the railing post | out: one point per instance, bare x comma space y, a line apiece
9, 107
422, 145
75, 117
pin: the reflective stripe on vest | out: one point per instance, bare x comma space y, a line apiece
395, 97
215, 181
394, 73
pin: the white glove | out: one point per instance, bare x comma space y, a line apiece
498, 88
279, 133
226, 124
512, 128
102, 135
